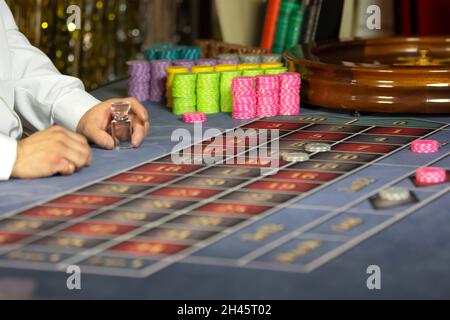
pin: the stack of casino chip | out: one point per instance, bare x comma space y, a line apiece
286, 9
295, 156
267, 89
269, 58
295, 26
250, 58
171, 72
190, 53
395, 194
158, 79
225, 67
275, 71
228, 58
317, 147
184, 63
172, 52
244, 98
271, 65
208, 94
139, 81
289, 93
252, 72
153, 52
206, 62
184, 93
169, 54
429, 175
425, 146
247, 66
226, 94
202, 69
194, 117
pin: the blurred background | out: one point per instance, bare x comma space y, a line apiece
114, 31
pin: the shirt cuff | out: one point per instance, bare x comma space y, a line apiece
7, 156
68, 110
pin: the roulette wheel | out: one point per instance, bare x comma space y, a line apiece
392, 75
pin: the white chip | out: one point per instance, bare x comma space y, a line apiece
295, 156
318, 147
395, 194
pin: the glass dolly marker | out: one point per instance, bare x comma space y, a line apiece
121, 130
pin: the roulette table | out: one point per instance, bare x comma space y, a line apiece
140, 226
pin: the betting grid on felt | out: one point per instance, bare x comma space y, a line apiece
143, 220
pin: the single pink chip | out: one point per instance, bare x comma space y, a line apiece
425, 146
429, 175
194, 117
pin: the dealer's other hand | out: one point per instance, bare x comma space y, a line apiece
94, 124
49, 152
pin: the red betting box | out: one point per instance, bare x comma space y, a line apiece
87, 200
137, 178
148, 248
10, 238
163, 168
55, 212
99, 229
416, 132
282, 186
304, 175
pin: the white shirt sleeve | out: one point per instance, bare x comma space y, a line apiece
8, 147
42, 95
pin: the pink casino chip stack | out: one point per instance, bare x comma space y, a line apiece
267, 89
194, 117
244, 98
290, 84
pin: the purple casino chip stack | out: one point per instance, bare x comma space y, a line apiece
139, 81
158, 81
184, 63
228, 58
206, 62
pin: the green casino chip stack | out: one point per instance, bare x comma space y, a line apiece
287, 7
253, 72
226, 95
184, 93
208, 94
295, 28
275, 71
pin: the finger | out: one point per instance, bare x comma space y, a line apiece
77, 137
139, 133
138, 109
76, 157
65, 167
81, 147
100, 138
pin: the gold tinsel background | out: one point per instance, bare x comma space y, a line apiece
112, 32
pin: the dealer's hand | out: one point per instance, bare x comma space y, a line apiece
94, 124
52, 151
